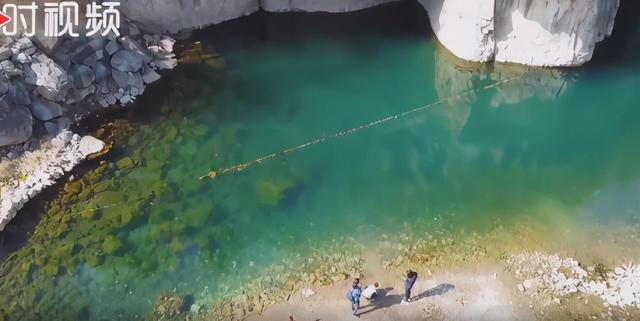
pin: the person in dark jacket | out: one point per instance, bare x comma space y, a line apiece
412, 276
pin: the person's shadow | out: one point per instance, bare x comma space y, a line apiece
441, 289
385, 300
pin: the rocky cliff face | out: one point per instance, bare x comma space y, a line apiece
173, 16
464, 27
531, 32
553, 32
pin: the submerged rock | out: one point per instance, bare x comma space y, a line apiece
167, 307
111, 244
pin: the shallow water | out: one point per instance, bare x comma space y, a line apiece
553, 145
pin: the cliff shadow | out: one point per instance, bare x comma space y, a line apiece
624, 42
405, 18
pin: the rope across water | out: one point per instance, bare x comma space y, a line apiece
240, 167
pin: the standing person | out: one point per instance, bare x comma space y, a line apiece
354, 296
412, 276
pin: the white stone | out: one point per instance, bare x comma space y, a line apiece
551, 33
51, 79
89, 145
530, 284
166, 44
464, 27
308, 292
540, 33
165, 63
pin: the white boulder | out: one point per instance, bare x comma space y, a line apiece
51, 79
551, 33
464, 27
89, 145
539, 33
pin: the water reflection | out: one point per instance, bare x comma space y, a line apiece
454, 75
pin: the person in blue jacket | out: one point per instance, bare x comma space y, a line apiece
354, 296
412, 276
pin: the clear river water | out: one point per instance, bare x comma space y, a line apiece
549, 145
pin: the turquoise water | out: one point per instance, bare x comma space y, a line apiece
549, 145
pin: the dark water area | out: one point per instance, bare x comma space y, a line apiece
623, 40
545, 145
403, 19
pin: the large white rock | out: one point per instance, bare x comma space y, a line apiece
551, 33
51, 79
89, 145
531, 32
464, 27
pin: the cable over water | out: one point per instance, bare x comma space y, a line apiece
240, 167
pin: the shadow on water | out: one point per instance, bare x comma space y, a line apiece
399, 19
624, 42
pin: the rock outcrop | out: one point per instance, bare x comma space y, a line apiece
41, 169
80, 76
550, 277
465, 27
537, 33
551, 33
40, 87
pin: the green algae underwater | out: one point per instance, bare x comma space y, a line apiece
553, 146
